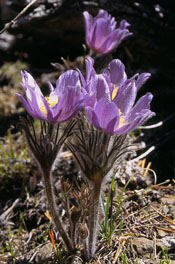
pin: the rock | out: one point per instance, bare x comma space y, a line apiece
168, 201
169, 242
44, 252
161, 233
143, 245
6, 41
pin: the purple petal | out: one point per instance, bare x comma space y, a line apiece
113, 23
68, 105
89, 68
51, 88
28, 107
116, 72
130, 80
37, 102
102, 88
124, 24
88, 24
102, 14
105, 116
101, 32
116, 37
142, 78
27, 80
111, 42
68, 78
29, 85
92, 117
137, 121
82, 79
126, 97
89, 100
48, 110
142, 103
98, 87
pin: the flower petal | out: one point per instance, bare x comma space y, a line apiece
101, 32
137, 121
124, 24
69, 104
105, 115
142, 104
89, 68
68, 78
98, 87
88, 24
142, 78
116, 72
28, 106
126, 97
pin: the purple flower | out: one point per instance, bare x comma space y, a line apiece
110, 98
61, 104
102, 35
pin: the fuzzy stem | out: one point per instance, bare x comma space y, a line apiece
86, 248
53, 208
72, 225
93, 219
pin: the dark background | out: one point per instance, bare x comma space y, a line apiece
52, 29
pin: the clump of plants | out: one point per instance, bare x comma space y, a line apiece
91, 114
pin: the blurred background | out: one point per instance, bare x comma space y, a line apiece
51, 29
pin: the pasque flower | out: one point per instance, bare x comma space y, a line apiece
102, 35
61, 104
110, 98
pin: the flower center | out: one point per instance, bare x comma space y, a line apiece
122, 119
53, 100
114, 92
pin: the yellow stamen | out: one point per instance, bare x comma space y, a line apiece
122, 119
114, 92
53, 100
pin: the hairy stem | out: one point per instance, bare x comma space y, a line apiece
93, 219
86, 248
53, 208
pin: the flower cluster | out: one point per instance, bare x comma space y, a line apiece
110, 98
107, 110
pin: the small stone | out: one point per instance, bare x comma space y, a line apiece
44, 251
162, 233
143, 245
169, 242
165, 200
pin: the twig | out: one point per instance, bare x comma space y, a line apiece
162, 183
118, 251
143, 155
169, 220
36, 251
151, 126
6, 213
155, 244
147, 169
65, 63
13, 21
154, 174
